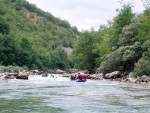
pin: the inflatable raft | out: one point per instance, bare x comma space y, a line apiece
78, 80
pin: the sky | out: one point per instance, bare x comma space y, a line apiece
85, 14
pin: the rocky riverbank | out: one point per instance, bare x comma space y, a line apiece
21, 75
122, 77
113, 76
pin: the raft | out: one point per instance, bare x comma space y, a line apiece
78, 80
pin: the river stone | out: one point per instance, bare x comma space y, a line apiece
113, 75
144, 78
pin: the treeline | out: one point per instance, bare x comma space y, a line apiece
32, 38
121, 45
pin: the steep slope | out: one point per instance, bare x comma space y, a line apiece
33, 38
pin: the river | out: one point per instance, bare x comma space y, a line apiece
60, 95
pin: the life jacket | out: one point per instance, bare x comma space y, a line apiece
82, 77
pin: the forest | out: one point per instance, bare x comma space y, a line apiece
123, 44
34, 39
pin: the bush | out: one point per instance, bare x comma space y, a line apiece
122, 59
142, 67
11, 69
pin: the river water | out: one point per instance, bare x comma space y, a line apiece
60, 95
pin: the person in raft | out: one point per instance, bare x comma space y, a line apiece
73, 77
81, 76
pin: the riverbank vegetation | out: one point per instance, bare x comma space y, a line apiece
32, 38
11, 69
121, 45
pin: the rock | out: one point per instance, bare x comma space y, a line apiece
96, 76
130, 79
144, 78
22, 77
9, 77
118, 79
58, 71
113, 75
35, 72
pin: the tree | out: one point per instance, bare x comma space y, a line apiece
31, 37
83, 56
121, 20
127, 54
129, 34
142, 67
59, 59
25, 52
4, 26
122, 59
102, 44
144, 31
8, 50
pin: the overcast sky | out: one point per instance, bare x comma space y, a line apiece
85, 14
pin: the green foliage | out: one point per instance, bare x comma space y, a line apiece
142, 67
4, 26
64, 24
83, 56
122, 44
127, 54
111, 62
11, 69
30, 37
144, 30
59, 59
129, 34
120, 21
25, 52
102, 44
8, 49
34, 39
122, 59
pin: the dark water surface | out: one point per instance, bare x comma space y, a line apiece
60, 95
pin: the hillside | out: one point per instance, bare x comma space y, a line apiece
33, 38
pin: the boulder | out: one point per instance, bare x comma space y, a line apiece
113, 75
96, 76
58, 71
144, 78
130, 79
9, 77
22, 77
